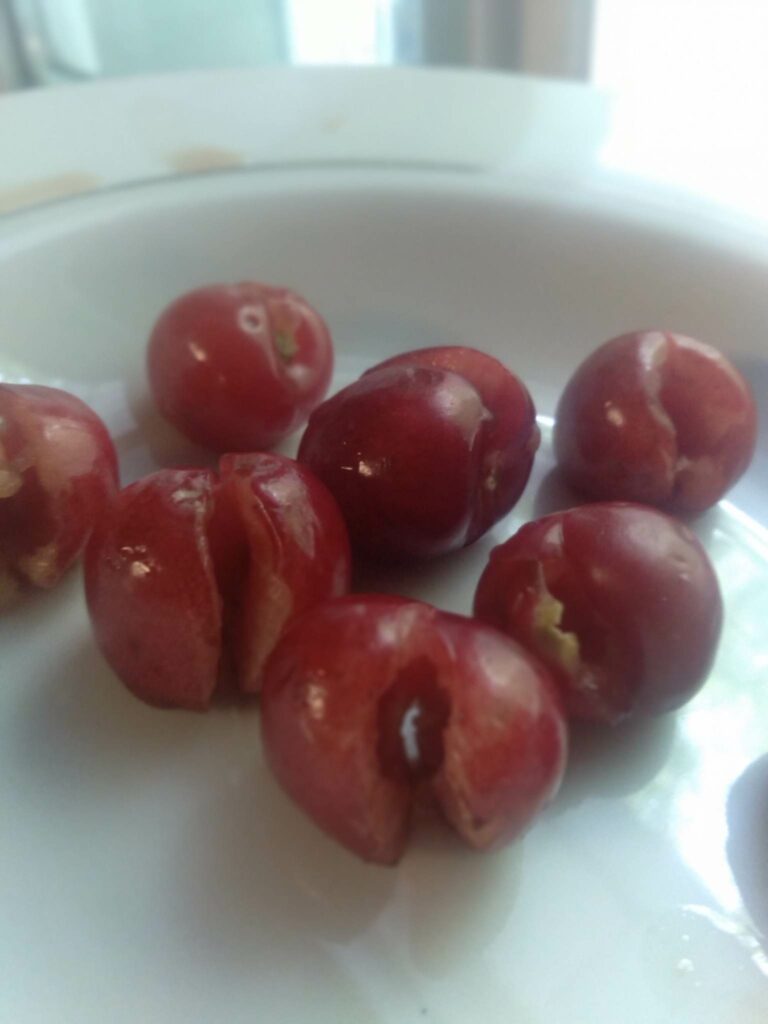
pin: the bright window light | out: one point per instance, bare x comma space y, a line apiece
689, 79
340, 31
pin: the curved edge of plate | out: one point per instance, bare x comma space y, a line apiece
81, 138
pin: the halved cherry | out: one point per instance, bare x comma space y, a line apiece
353, 677
191, 574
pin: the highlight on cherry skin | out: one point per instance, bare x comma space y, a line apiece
619, 600
237, 368
58, 472
371, 703
425, 452
193, 576
656, 417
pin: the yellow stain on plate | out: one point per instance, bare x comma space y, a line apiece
334, 124
45, 190
203, 158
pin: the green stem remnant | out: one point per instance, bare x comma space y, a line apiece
285, 343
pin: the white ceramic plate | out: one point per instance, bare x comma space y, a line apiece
151, 869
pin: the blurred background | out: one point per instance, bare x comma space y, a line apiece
50, 40
717, 45
688, 79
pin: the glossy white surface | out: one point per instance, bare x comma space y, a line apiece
87, 137
150, 869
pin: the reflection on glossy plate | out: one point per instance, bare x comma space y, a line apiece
152, 870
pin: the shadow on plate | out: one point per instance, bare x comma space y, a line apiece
447, 582
255, 894
254, 875
253, 870
155, 442
80, 728
33, 607
554, 495
747, 845
458, 899
615, 762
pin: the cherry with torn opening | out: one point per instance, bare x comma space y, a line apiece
193, 576
58, 473
370, 702
238, 367
425, 452
658, 418
620, 601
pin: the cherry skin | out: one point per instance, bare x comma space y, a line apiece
238, 367
620, 601
58, 473
658, 418
193, 576
425, 452
489, 731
